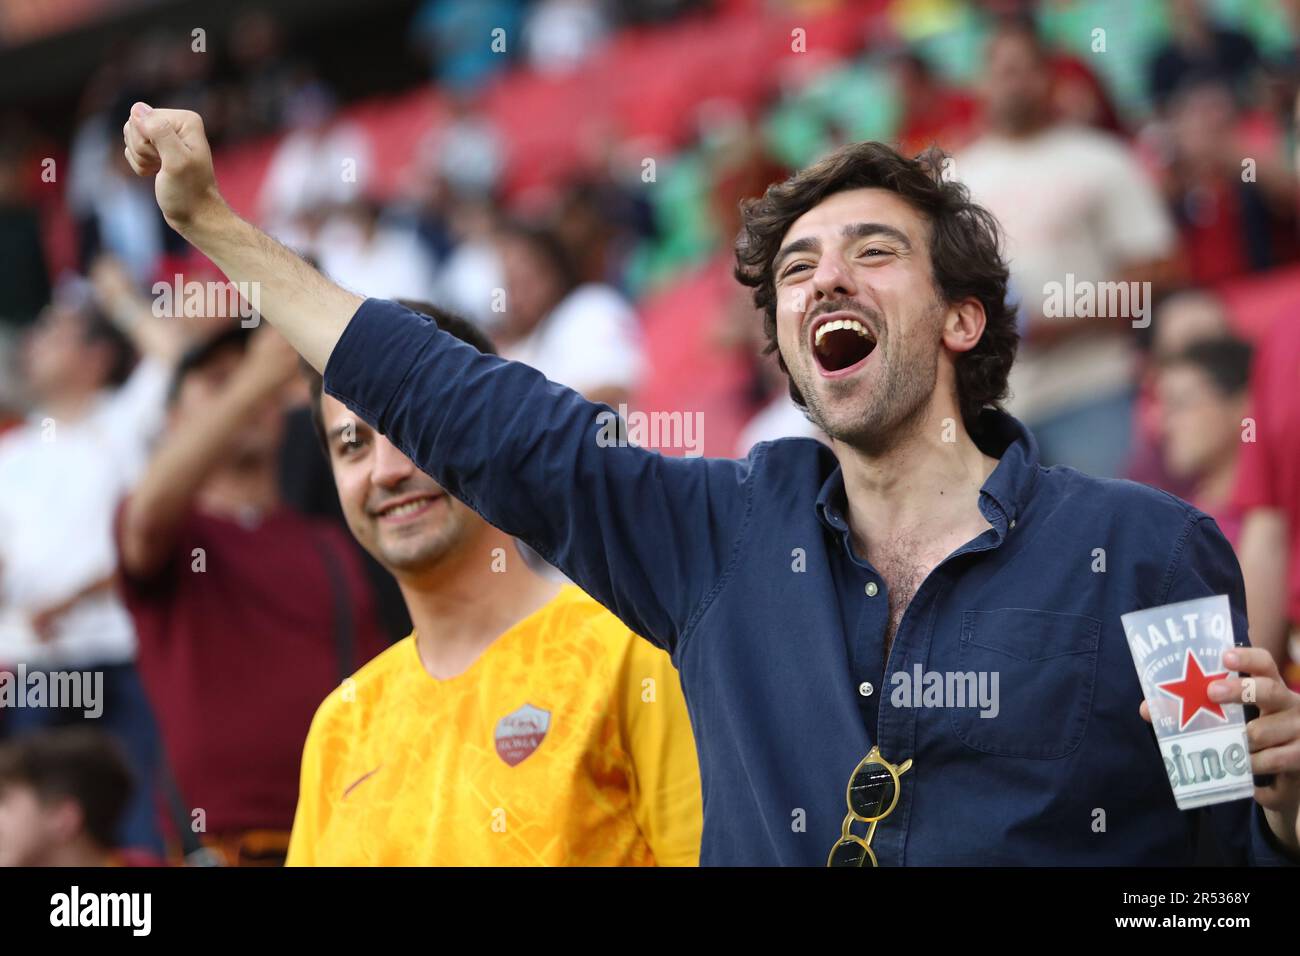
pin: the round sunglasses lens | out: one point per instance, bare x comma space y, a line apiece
871, 791
848, 853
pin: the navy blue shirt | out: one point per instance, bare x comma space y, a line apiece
743, 572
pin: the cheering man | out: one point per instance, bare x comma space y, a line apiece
799, 590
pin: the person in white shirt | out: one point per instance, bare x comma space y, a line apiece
583, 335
322, 162
1077, 210
62, 473
361, 251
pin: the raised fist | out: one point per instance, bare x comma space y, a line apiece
170, 145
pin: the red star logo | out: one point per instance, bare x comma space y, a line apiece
1193, 691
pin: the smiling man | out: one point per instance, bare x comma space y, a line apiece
520, 724
791, 586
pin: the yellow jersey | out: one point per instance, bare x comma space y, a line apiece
566, 743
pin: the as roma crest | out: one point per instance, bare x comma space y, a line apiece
521, 732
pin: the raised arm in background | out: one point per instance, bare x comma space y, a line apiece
193, 449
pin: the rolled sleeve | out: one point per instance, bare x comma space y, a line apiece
373, 357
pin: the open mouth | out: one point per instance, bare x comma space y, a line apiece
407, 507
841, 341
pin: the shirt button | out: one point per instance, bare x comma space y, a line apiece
871, 589
1013, 522
865, 689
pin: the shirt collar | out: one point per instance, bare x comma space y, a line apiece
1005, 494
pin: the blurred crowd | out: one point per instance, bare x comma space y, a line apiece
129, 423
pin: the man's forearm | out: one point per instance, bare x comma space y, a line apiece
179, 468
308, 309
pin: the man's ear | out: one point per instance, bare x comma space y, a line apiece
963, 325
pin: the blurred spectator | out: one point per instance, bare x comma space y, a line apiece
24, 279
1181, 319
321, 162
1199, 49
1268, 492
127, 219
265, 77
361, 251
740, 165
471, 275
601, 224
931, 113
459, 40
1232, 220
1201, 393
1076, 208
466, 152
115, 209
583, 335
1079, 97
62, 474
62, 797
88, 156
188, 81
248, 614
560, 34
1184, 318
1281, 75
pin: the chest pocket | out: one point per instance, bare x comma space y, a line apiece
1046, 664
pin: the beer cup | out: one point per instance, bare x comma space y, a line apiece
1178, 651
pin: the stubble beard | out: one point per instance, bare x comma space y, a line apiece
425, 552
891, 410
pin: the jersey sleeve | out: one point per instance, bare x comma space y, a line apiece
314, 786
665, 770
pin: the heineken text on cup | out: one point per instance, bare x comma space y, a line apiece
1178, 650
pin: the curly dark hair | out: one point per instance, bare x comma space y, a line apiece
965, 250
